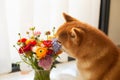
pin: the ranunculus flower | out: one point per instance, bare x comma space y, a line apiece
49, 52
28, 47
22, 40
56, 45
40, 44
41, 52
25, 48
45, 63
35, 48
32, 42
47, 43
21, 50
37, 33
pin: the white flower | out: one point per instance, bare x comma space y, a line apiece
34, 48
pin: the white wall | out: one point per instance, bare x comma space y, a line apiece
114, 22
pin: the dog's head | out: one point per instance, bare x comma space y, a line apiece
70, 34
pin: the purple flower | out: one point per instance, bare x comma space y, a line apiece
45, 63
56, 45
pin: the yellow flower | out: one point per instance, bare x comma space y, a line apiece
29, 41
41, 52
51, 37
40, 44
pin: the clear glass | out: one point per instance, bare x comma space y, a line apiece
42, 75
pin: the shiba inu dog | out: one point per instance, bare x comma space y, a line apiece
98, 58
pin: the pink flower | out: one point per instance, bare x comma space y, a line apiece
37, 33
45, 63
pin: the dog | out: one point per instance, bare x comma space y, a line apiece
98, 58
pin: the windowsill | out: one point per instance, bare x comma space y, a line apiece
64, 71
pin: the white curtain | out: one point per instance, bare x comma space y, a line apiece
18, 15
5, 65
85, 10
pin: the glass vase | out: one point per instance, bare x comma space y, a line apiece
42, 75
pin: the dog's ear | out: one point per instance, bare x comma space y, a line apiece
68, 18
77, 35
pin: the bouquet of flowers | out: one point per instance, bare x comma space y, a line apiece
39, 53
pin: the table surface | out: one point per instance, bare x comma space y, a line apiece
64, 71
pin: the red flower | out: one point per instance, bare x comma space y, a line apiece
25, 48
32, 43
22, 40
47, 43
21, 50
49, 52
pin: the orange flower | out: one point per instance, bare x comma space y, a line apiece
41, 52
40, 44
29, 41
